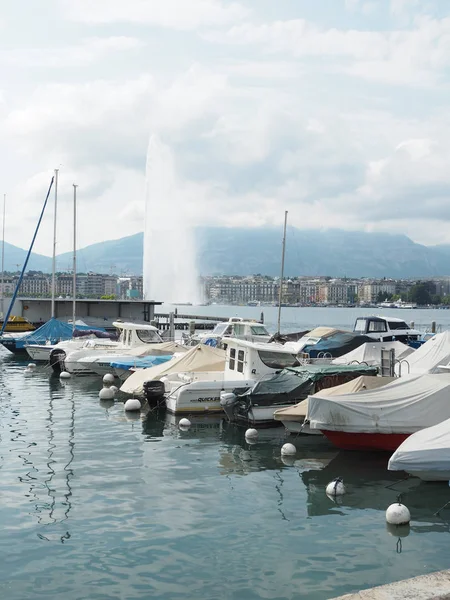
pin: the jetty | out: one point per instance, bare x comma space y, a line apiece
435, 586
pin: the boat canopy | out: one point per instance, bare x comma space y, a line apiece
426, 450
428, 358
363, 382
370, 353
337, 344
198, 359
406, 405
55, 330
297, 383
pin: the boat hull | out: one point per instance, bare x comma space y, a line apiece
380, 442
39, 353
298, 427
431, 475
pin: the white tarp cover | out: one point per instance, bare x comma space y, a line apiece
426, 450
427, 358
160, 349
199, 358
406, 405
364, 382
370, 353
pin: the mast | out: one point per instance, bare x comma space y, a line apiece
74, 281
282, 271
54, 245
3, 256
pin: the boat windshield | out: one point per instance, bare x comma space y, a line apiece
221, 329
360, 325
397, 325
148, 336
259, 330
278, 360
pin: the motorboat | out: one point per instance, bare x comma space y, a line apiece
293, 417
245, 363
139, 357
63, 357
432, 357
41, 352
425, 454
16, 324
369, 353
235, 327
386, 329
382, 418
258, 405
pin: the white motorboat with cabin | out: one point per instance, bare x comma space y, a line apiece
63, 357
386, 329
235, 327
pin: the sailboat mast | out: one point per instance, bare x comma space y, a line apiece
54, 245
280, 296
74, 282
3, 255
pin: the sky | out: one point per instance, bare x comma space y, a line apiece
335, 110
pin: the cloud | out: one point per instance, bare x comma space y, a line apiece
174, 14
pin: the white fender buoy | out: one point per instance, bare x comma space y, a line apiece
132, 404
114, 388
335, 487
108, 378
288, 450
251, 433
31, 365
28, 371
184, 423
106, 394
398, 514
65, 375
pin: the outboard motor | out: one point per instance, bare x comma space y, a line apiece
228, 402
154, 392
56, 359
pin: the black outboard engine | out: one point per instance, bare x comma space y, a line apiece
228, 402
56, 359
154, 392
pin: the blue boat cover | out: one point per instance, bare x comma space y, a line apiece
53, 331
140, 363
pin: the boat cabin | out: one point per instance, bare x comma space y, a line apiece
252, 360
386, 329
238, 328
136, 334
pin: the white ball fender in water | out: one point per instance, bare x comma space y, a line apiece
336, 487
288, 450
184, 423
106, 394
251, 433
398, 514
65, 375
132, 404
31, 365
108, 378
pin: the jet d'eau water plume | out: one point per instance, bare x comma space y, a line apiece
170, 272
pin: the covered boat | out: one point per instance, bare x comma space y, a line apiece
122, 365
370, 353
383, 418
293, 417
335, 344
425, 454
257, 405
428, 358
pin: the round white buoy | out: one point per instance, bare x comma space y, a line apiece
114, 388
184, 423
132, 404
31, 365
398, 514
28, 371
251, 433
108, 378
105, 394
335, 487
288, 450
65, 375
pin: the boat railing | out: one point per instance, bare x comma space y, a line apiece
400, 363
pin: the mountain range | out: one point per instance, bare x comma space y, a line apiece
242, 251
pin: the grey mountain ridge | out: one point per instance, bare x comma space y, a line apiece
220, 251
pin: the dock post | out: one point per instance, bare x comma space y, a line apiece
191, 327
262, 317
171, 326
433, 326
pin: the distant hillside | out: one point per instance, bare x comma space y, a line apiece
246, 251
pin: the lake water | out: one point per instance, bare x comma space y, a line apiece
96, 504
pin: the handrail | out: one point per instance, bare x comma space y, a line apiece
400, 362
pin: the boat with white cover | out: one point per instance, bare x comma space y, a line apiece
381, 419
370, 353
425, 454
431, 357
131, 336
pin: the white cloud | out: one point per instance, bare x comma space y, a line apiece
176, 14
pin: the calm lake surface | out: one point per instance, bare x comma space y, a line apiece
96, 504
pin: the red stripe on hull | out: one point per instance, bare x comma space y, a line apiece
388, 442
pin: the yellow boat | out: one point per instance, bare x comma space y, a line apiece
17, 325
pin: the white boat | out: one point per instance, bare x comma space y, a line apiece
132, 335
235, 327
425, 454
432, 357
293, 417
40, 352
386, 329
370, 353
245, 364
